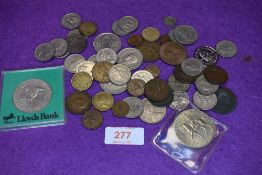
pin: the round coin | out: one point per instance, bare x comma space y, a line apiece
44, 52
150, 51
215, 75
119, 74
164, 103
143, 75
192, 67
73, 32
106, 54
112, 88
72, 62
204, 102
120, 109
128, 24
78, 102
157, 90
185, 34
60, 46
76, 43
206, 54
153, 69
169, 21
151, 34
92, 119
176, 85
226, 49
135, 40
81, 81
71, 21
103, 101
136, 87
136, 107
107, 40
86, 66
100, 71
130, 57
117, 30
164, 38
87, 28
180, 101
204, 87
182, 77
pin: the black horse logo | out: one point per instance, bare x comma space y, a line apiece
8, 118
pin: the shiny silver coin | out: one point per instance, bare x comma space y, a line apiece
73, 32
86, 66
143, 75
117, 30
204, 102
136, 107
65, 55
169, 21
60, 46
226, 49
204, 87
119, 74
44, 52
71, 21
206, 54
128, 24
185, 34
72, 62
177, 86
107, 40
194, 128
151, 113
131, 57
180, 101
92, 58
32, 95
192, 67
106, 54
112, 88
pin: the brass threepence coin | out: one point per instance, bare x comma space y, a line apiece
120, 109
135, 40
215, 75
136, 87
103, 101
87, 28
182, 77
150, 51
100, 71
164, 38
78, 102
81, 81
157, 90
92, 119
153, 69
151, 34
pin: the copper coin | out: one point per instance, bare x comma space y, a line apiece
100, 71
173, 53
92, 119
153, 69
78, 102
135, 40
150, 51
87, 28
157, 90
120, 109
182, 77
215, 75
164, 38
136, 87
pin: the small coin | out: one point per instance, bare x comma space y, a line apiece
128, 24
71, 21
73, 32
92, 58
164, 38
86, 66
151, 34
78, 102
164, 103
92, 119
170, 21
206, 54
72, 62
107, 40
76, 43
135, 40
130, 57
44, 52
185, 34
173, 53
136, 87
87, 28
153, 69
143, 75
157, 90
120, 109
226, 49
177, 86
100, 71
60, 46
204, 102
136, 107
103, 101
215, 75
119, 74
81, 81
150, 51
180, 101
192, 67
112, 88
106, 54
182, 77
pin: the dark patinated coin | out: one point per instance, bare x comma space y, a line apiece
157, 90
150, 51
182, 77
153, 69
164, 38
136, 87
165, 102
120, 109
87, 28
226, 101
135, 40
92, 119
215, 75
76, 43
206, 54
78, 102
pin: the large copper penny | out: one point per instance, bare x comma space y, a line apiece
120, 109
136, 87
157, 90
182, 77
164, 38
87, 28
150, 51
173, 53
100, 71
92, 119
153, 69
215, 75
135, 40
103, 101
78, 102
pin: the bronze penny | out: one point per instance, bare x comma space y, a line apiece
173, 53
135, 40
150, 51
215, 75
100, 71
103, 101
153, 69
164, 38
157, 90
182, 77
92, 119
136, 87
78, 102
120, 109
87, 28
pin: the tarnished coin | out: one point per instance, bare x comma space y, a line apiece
226, 49
157, 90
185, 34
86, 66
136, 107
177, 86
150, 51
78, 102
76, 43
206, 54
87, 28
215, 75
44, 52
153, 69
92, 58
192, 67
164, 103
169, 21
72, 62
65, 55
151, 113
173, 53
81, 81
107, 40
182, 77
117, 30
135, 40
172, 35
71, 21
204, 87
112, 88
151, 34
143, 75
136, 87
32, 95
128, 24
194, 128
103, 101
119, 74
204, 102
164, 38
130, 57
60, 46
73, 32
120, 109
106, 54
92, 119
180, 101
100, 71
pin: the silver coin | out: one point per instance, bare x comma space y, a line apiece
119, 74
143, 75
44, 52
65, 55
60, 46
128, 24
71, 21
185, 34
194, 128
151, 113
72, 62
92, 58
136, 107
169, 21
131, 57
106, 54
226, 49
73, 32
117, 30
204, 102
86, 66
107, 40
204, 87
32, 95
177, 86
192, 67
180, 101
112, 88
206, 54
171, 35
